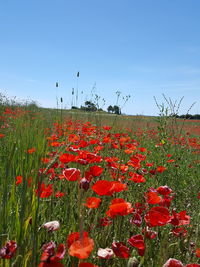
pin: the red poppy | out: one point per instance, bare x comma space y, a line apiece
82, 248
149, 234
120, 250
93, 202
72, 174
142, 149
157, 216
192, 265
8, 250
160, 169
50, 257
31, 150
59, 194
66, 158
152, 197
134, 162
179, 231
74, 237
86, 264
137, 241
72, 138
164, 190
103, 187
44, 191
18, 180
118, 186
96, 170
107, 188
198, 252
137, 178
180, 218
2, 135
55, 144
119, 207
106, 127
105, 221
173, 263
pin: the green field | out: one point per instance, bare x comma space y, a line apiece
96, 189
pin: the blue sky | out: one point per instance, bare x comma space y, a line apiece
144, 48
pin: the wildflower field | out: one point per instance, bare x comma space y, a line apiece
94, 189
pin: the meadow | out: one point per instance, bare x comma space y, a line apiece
89, 189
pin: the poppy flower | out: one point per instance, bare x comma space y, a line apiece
93, 202
105, 253
152, 197
44, 191
137, 241
66, 158
59, 194
160, 169
198, 252
31, 150
180, 218
105, 221
72, 138
107, 188
192, 265
173, 263
86, 264
120, 207
149, 234
106, 127
164, 190
18, 180
121, 250
72, 174
2, 135
118, 186
103, 187
134, 162
157, 216
96, 170
8, 250
82, 248
74, 237
136, 219
179, 231
49, 257
137, 178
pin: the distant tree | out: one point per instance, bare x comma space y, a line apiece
117, 110
89, 106
110, 109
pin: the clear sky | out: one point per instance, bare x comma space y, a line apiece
139, 47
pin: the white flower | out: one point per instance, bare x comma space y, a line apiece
51, 226
105, 253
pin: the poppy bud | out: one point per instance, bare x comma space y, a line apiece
84, 184
133, 262
51, 226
